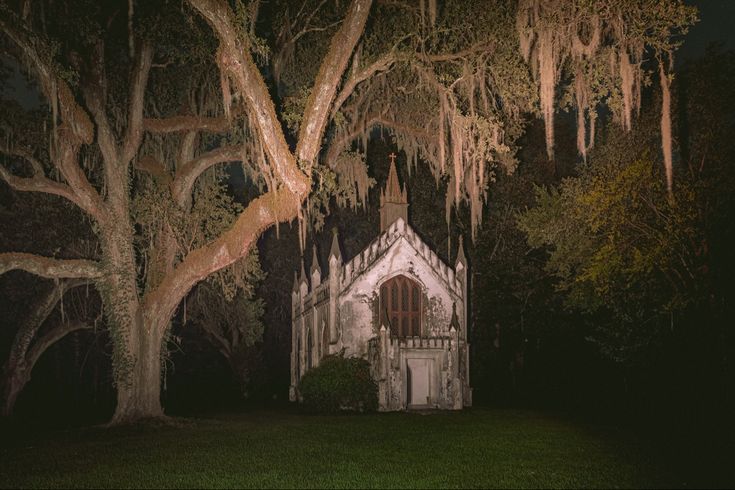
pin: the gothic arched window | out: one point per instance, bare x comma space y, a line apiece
400, 307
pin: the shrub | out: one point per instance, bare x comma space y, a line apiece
339, 383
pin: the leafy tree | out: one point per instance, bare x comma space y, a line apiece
620, 249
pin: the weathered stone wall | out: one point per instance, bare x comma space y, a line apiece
343, 314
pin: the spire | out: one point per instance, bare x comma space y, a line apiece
393, 191
334, 251
460, 254
314, 263
394, 199
295, 282
303, 273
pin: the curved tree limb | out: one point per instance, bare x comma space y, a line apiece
343, 141
186, 123
139, 80
40, 311
67, 161
187, 174
381, 64
327, 80
75, 128
39, 183
53, 336
263, 212
54, 88
24, 353
48, 267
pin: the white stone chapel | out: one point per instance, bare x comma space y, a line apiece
396, 304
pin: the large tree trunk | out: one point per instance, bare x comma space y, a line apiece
139, 379
136, 338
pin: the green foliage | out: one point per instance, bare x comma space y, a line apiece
618, 246
293, 109
339, 383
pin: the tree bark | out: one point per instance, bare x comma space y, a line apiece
139, 380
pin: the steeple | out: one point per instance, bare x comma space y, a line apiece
394, 199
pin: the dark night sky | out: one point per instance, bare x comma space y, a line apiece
716, 19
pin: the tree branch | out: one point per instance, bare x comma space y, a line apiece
381, 64
67, 162
40, 311
48, 267
54, 88
154, 168
95, 96
236, 62
263, 212
75, 129
51, 337
40, 183
222, 345
327, 80
190, 171
337, 145
139, 80
186, 123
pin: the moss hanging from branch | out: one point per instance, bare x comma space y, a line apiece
666, 126
606, 41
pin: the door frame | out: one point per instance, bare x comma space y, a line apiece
434, 357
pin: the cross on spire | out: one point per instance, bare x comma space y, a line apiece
393, 200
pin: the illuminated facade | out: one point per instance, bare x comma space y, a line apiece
396, 304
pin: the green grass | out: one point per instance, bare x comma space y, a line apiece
473, 448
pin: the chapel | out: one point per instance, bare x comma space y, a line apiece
396, 304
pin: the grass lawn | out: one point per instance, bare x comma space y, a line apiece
473, 448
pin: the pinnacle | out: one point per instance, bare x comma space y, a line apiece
303, 272
460, 253
314, 262
334, 251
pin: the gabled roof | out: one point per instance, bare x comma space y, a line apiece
371, 254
